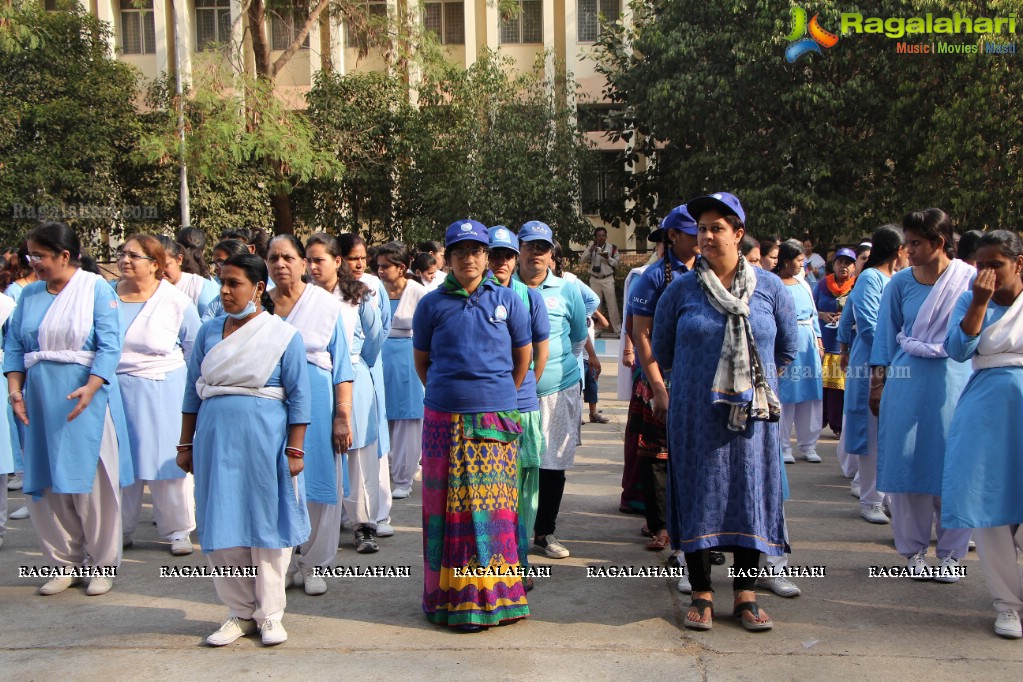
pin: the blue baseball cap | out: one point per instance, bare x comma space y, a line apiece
679, 219
846, 252
503, 238
534, 230
466, 230
727, 204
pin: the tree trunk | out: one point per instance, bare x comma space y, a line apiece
260, 45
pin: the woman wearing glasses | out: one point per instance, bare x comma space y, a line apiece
160, 324
60, 358
473, 344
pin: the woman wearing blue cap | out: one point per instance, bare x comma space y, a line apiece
649, 405
472, 343
722, 331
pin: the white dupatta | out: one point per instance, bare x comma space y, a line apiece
927, 338
315, 316
1001, 344
242, 363
191, 285
151, 347
401, 321
68, 323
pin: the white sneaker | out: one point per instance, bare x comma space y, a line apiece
948, 571
15, 481
780, 585
812, 457
787, 457
970, 547
272, 632
854, 490
401, 493
182, 546
684, 586
19, 513
551, 547
919, 569
873, 513
99, 585
314, 585
384, 530
58, 585
1007, 625
232, 629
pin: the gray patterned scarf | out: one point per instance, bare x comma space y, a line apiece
739, 380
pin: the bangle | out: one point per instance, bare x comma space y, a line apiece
344, 404
294, 452
183, 447
12, 394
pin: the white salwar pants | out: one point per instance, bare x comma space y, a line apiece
850, 463
999, 560
361, 503
807, 417
913, 516
866, 473
76, 529
173, 507
406, 449
260, 597
382, 513
325, 530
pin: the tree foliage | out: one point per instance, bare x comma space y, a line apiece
833, 144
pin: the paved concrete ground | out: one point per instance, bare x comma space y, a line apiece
844, 625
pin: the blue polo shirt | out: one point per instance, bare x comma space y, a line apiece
541, 326
647, 289
567, 314
470, 341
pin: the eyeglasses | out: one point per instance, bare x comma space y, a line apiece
219, 262
538, 246
474, 251
132, 256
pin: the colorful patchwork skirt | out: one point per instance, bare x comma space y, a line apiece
470, 519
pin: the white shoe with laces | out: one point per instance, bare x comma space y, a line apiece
787, 457
812, 457
780, 585
919, 569
58, 585
385, 530
949, 570
873, 513
182, 546
232, 629
99, 585
1007, 625
15, 481
684, 586
314, 585
401, 493
272, 632
19, 513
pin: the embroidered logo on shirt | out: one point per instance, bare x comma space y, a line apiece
552, 303
500, 313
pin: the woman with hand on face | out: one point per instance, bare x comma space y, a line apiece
353, 248
473, 345
914, 406
60, 358
202, 291
987, 328
404, 391
160, 324
365, 337
247, 405
722, 331
800, 388
317, 316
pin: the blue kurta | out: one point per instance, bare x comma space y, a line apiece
7, 445
724, 487
59, 454
379, 299
244, 493
404, 391
17, 429
209, 295
153, 429
802, 381
919, 396
320, 470
983, 468
856, 327
367, 340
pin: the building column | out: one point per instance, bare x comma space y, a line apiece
315, 59
163, 35
183, 41
548, 40
105, 12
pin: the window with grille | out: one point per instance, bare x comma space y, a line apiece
212, 23
138, 27
590, 12
284, 27
446, 20
375, 12
602, 186
527, 26
596, 118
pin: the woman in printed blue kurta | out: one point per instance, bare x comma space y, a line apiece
725, 484
76, 450
980, 484
160, 325
919, 397
246, 407
800, 387
317, 316
365, 336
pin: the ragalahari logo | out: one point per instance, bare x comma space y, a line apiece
801, 43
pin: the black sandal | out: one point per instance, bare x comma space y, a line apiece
753, 608
701, 605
